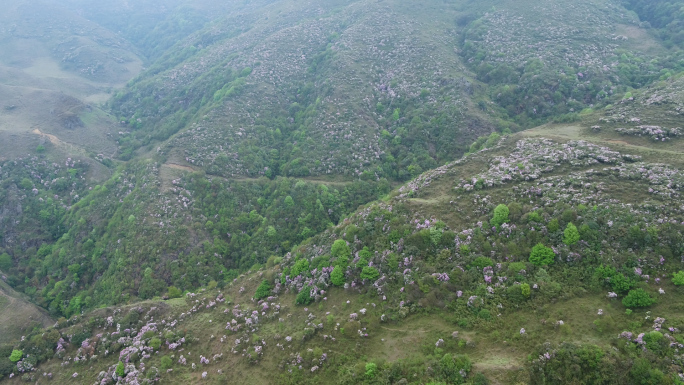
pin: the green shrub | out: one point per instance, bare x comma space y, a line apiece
620, 283
304, 296
120, 368
485, 314
174, 292
542, 255
341, 252
337, 276
449, 368
500, 215
371, 370
16, 355
5, 262
370, 273
571, 236
553, 225
525, 290
482, 262
534, 217
6, 368
264, 290
364, 257
678, 278
166, 362
301, 266
652, 340
638, 298
515, 267
155, 343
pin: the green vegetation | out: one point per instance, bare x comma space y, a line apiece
343, 194
5, 262
119, 369
664, 16
500, 215
264, 290
638, 298
16, 355
571, 236
337, 276
542, 255
678, 278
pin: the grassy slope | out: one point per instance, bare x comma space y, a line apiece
495, 347
18, 316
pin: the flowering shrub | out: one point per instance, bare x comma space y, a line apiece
655, 133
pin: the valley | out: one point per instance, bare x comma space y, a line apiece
341, 191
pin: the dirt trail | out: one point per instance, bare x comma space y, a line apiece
179, 167
70, 148
165, 175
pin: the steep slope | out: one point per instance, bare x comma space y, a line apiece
259, 126
18, 316
557, 58
515, 264
300, 88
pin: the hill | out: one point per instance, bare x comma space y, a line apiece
443, 259
341, 191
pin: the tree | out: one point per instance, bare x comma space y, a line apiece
120, 369
370, 273
155, 343
174, 292
451, 368
264, 290
677, 278
571, 236
166, 362
500, 215
341, 252
301, 266
337, 276
26, 184
304, 296
364, 256
620, 283
16, 355
542, 255
6, 367
5, 262
638, 298
525, 290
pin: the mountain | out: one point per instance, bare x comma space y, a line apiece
341, 191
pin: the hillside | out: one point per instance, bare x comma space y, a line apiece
439, 258
341, 191
13, 305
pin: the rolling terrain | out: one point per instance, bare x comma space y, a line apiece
341, 191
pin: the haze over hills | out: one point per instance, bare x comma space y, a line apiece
343, 191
